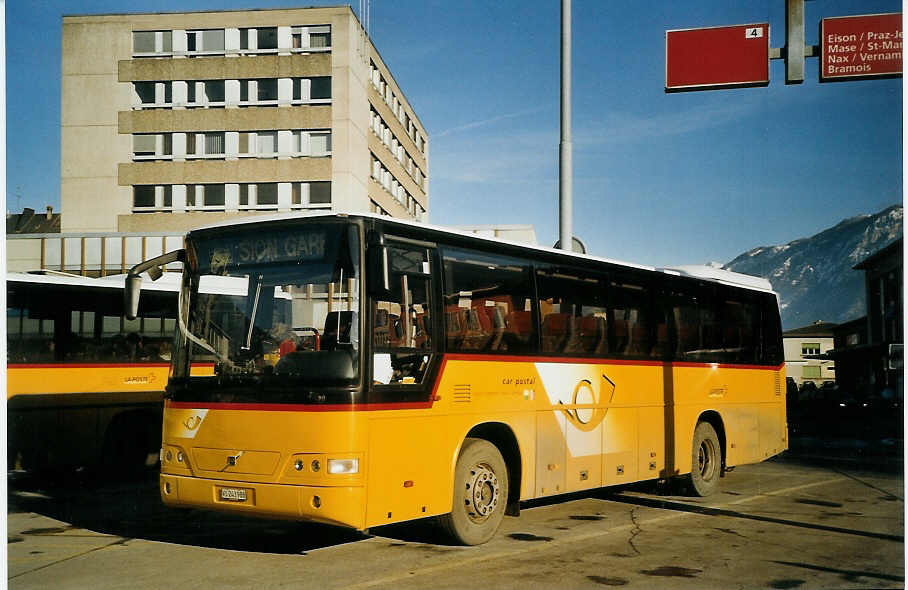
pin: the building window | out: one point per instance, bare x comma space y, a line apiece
320, 88
244, 195
143, 42
168, 196
151, 146
266, 143
205, 41
320, 144
318, 37
267, 38
267, 89
152, 42
214, 144
319, 193
213, 195
810, 372
214, 90
143, 196
146, 92
266, 194
810, 348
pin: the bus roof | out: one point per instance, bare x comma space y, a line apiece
168, 281
703, 272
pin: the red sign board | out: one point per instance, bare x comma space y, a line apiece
717, 57
860, 46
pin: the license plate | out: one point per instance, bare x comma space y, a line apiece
233, 494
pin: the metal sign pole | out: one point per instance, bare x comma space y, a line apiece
794, 42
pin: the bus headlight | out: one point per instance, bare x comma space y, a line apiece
343, 466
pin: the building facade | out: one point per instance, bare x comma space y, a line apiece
803, 347
174, 120
869, 350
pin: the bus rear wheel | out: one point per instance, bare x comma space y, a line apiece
706, 460
480, 493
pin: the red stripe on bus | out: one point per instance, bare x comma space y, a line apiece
297, 407
94, 365
599, 361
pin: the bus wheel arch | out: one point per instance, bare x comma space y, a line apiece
708, 453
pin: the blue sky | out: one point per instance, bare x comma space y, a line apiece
659, 178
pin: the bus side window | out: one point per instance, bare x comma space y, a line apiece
629, 304
573, 312
488, 303
401, 323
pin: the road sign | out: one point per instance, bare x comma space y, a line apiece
717, 57
866, 46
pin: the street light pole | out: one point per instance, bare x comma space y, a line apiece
565, 185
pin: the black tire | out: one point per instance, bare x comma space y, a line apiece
706, 460
480, 493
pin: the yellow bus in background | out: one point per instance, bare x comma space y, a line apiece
84, 384
422, 372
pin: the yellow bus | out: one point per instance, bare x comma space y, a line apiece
84, 384
424, 372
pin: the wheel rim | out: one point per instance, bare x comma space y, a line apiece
483, 492
706, 459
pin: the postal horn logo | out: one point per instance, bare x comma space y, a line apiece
591, 411
192, 422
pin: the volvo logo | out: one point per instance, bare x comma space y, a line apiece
232, 460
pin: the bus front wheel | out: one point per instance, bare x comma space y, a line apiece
480, 493
706, 460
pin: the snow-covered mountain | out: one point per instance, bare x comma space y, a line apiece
814, 276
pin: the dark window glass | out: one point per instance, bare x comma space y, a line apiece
244, 90
214, 90
190, 41
143, 196
629, 312
214, 195
319, 193
772, 331
146, 92
244, 194
740, 322
488, 303
267, 89
321, 87
266, 194
168, 195
573, 314
267, 38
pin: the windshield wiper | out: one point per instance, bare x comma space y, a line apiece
255, 308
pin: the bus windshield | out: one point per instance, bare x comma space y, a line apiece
279, 307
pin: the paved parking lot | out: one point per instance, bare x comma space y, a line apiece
778, 524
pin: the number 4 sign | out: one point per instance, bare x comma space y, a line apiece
753, 32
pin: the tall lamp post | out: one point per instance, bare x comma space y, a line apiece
565, 188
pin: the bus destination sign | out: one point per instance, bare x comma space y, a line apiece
867, 46
717, 57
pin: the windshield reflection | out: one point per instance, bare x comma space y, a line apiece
283, 306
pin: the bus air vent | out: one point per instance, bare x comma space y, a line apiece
778, 383
462, 393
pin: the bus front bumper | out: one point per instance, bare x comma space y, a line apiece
344, 506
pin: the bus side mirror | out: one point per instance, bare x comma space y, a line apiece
131, 296
133, 286
379, 281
